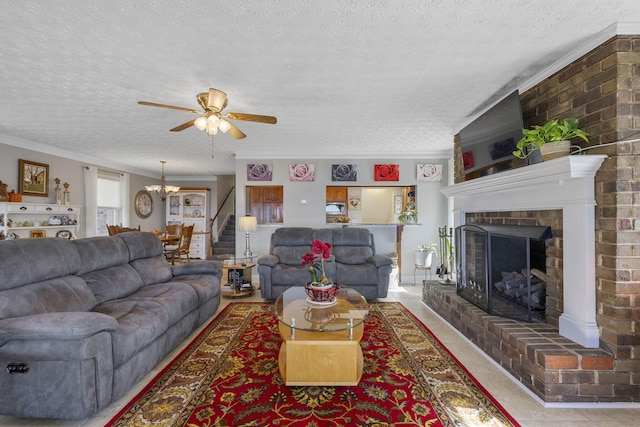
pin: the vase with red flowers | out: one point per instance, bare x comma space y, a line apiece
321, 289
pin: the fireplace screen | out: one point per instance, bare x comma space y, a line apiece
501, 269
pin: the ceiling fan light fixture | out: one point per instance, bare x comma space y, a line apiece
201, 123
212, 130
216, 99
213, 120
224, 126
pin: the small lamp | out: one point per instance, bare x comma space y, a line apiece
248, 224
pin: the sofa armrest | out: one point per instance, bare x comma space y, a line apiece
269, 260
380, 260
198, 267
61, 326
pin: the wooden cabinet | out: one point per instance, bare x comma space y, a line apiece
20, 220
191, 206
336, 195
265, 203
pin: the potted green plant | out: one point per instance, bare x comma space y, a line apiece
424, 254
408, 216
540, 137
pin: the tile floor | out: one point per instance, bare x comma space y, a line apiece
517, 401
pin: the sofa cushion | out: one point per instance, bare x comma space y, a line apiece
113, 283
141, 244
291, 255
153, 270
206, 286
352, 255
34, 260
352, 236
352, 275
292, 236
63, 294
146, 315
97, 253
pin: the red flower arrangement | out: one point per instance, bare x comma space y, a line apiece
315, 260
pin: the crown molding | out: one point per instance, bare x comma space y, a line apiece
55, 151
428, 154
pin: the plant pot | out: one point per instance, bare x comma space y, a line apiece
553, 150
322, 294
423, 259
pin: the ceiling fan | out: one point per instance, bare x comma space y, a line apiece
212, 119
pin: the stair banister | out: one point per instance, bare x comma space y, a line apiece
212, 220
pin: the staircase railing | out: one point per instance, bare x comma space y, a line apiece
212, 220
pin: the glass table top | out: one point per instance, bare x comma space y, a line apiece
294, 310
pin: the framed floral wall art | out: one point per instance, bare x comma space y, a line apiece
429, 172
33, 178
344, 172
301, 172
386, 172
259, 172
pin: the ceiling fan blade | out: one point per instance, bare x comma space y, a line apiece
183, 126
173, 107
235, 132
253, 118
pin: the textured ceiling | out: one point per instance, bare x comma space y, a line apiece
346, 78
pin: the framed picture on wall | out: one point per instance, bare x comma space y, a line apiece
386, 172
33, 178
397, 204
429, 172
344, 172
301, 172
259, 172
354, 203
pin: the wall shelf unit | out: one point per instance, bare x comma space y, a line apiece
19, 220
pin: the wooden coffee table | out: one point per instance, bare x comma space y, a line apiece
321, 343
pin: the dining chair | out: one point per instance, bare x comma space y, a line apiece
185, 244
171, 247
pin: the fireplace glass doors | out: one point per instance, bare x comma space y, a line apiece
501, 269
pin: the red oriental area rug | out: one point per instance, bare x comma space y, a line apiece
229, 376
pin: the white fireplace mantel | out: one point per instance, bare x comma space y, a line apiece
566, 183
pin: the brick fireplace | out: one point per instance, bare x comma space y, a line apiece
589, 348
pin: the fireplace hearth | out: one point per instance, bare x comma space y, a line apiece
501, 269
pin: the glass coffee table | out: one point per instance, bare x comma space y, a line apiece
321, 343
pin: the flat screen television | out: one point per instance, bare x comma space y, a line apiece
488, 141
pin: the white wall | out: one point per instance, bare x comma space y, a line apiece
304, 203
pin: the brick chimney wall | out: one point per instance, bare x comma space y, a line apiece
602, 90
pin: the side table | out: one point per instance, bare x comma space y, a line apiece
234, 279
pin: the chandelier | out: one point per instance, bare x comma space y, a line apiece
161, 189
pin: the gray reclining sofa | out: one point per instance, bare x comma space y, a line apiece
356, 264
81, 321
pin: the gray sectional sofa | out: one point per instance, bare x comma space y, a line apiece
355, 262
81, 321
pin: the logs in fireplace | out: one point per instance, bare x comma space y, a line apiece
500, 268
